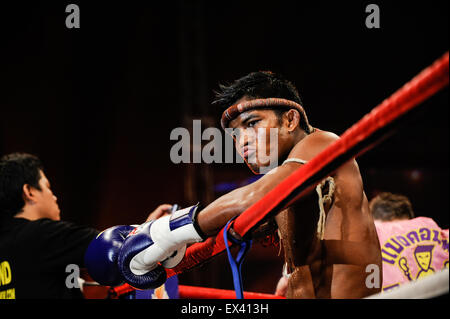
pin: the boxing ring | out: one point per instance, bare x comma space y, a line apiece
374, 127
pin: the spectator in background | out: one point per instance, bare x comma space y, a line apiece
411, 247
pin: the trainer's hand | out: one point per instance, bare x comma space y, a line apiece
162, 241
102, 254
160, 211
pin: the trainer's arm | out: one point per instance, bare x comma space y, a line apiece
214, 217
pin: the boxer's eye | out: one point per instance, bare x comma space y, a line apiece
252, 123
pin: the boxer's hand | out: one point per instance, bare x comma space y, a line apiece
281, 287
102, 253
160, 241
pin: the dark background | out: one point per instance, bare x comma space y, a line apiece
97, 104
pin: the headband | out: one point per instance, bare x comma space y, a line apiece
236, 109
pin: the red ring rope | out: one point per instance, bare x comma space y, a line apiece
193, 292
355, 141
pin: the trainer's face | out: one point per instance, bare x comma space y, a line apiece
45, 200
259, 138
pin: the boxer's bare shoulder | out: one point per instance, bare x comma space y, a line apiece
312, 144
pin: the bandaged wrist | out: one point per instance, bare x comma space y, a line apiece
177, 229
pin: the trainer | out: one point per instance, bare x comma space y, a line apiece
35, 245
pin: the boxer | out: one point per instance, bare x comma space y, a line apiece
327, 247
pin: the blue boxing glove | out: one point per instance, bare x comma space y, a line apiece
102, 253
148, 278
155, 243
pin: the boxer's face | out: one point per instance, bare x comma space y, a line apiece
260, 138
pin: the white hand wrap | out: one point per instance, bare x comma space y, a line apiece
170, 235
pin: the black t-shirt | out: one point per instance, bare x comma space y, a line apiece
34, 256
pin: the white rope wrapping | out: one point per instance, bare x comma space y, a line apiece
324, 200
429, 287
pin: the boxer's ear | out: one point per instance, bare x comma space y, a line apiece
292, 119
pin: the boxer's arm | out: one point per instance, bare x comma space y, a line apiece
214, 217
164, 240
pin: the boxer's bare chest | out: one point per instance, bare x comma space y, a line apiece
297, 227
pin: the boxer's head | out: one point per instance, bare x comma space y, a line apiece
256, 105
24, 187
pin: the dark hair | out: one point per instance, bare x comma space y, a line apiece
257, 85
16, 170
387, 206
